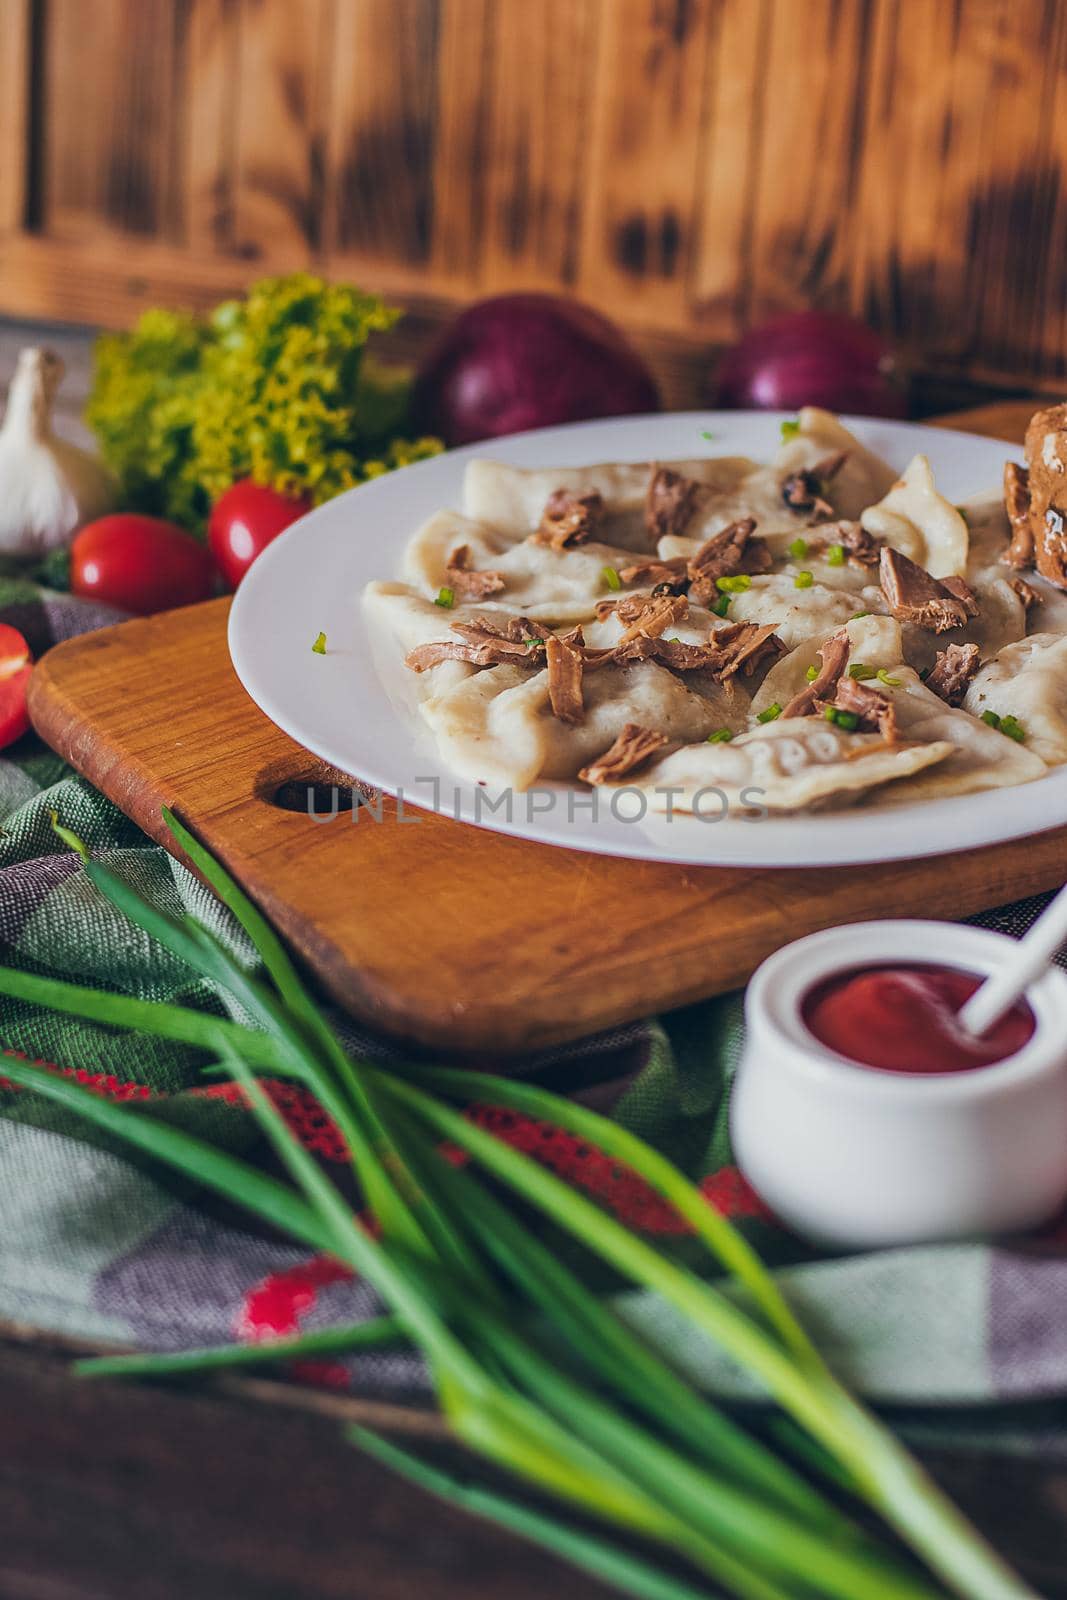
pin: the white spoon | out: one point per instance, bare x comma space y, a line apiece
1028, 960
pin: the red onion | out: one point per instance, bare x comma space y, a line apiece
811, 358
527, 361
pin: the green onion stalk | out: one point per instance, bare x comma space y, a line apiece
640, 1478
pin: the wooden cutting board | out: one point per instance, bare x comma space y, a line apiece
436, 932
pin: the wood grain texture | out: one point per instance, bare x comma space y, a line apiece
436, 932
15, 132
248, 1491
688, 166
285, 56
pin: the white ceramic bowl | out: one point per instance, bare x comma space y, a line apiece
855, 1158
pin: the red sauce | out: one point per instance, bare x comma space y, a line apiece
903, 1019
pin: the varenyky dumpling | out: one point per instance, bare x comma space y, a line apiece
500, 730
981, 757
918, 521
800, 614
1028, 681
537, 581
860, 480
511, 500
789, 765
874, 642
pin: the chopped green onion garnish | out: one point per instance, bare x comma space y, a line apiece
704, 434
835, 555
722, 606
848, 721
720, 736
1013, 728
803, 580
991, 718
885, 677
860, 670
790, 429
531, 641
319, 647
735, 585
771, 712
446, 599
811, 674
798, 549
611, 577
856, 615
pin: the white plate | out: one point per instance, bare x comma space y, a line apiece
339, 707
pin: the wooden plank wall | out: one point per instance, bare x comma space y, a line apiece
689, 166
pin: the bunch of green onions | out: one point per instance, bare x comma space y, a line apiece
652, 1487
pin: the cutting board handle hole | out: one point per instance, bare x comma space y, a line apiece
321, 791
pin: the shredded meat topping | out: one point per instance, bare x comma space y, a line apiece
631, 606
656, 615
802, 491
485, 642
875, 710
744, 646
672, 571
861, 548
1020, 553
519, 630
671, 502
565, 667
732, 550
739, 647
834, 657
569, 519
951, 674
1029, 596
465, 582
634, 746
914, 596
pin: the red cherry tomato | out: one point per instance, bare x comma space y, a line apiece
243, 522
15, 669
141, 564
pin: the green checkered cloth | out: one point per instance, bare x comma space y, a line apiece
105, 1248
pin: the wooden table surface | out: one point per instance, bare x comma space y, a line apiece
246, 1490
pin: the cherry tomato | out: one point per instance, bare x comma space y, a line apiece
243, 522
15, 669
141, 564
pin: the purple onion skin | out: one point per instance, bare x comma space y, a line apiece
811, 358
521, 361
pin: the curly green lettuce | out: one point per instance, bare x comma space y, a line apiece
277, 387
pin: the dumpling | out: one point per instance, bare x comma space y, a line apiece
874, 641
539, 582
511, 499
1028, 681
1001, 620
398, 620
862, 478
782, 766
982, 758
919, 522
499, 729
800, 614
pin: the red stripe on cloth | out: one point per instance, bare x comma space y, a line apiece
618, 1187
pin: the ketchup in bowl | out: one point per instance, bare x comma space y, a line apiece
904, 1019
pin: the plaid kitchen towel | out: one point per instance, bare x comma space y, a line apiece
105, 1248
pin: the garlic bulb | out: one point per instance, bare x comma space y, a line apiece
48, 487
